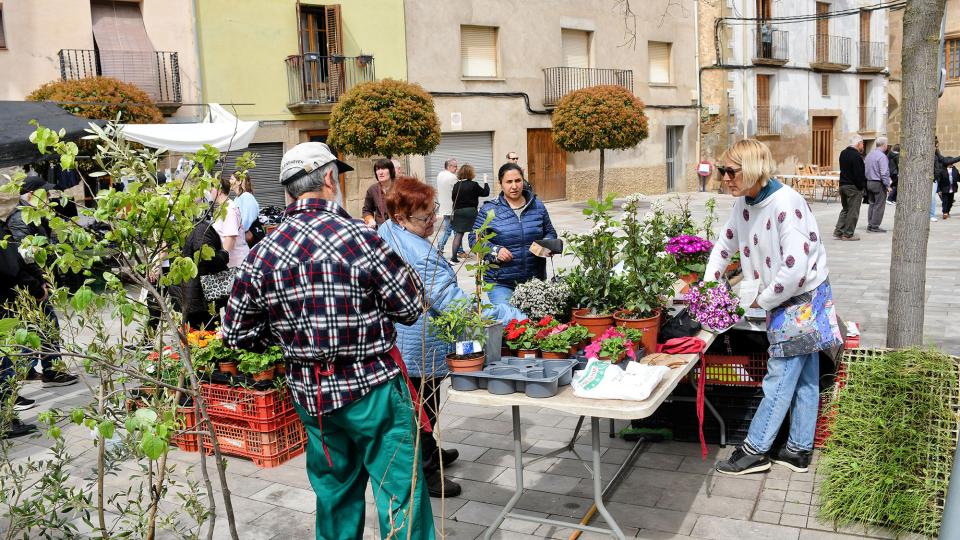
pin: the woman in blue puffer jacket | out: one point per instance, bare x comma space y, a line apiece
412, 219
520, 218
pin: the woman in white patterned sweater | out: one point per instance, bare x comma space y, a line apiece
776, 234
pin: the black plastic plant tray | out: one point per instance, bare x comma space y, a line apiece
537, 377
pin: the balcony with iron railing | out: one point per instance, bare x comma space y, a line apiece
830, 53
560, 81
768, 121
771, 47
867, 119
156, 72
315, 83
873, 56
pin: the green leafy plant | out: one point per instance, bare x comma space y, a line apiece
592, 282
599, 118
461, 322
386, 117
101, 98
252, 363
632, 334
888, 458
566, 338
649, 271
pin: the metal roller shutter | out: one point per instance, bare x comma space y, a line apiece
473, 148
265, 176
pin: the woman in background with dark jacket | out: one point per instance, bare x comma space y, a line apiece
520, 218
466, 197
196, 309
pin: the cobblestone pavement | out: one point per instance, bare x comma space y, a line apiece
669, 493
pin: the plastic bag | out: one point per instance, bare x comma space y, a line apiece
603, 380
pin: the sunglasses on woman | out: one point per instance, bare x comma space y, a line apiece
728, 171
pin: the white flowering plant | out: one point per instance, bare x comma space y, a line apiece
538, 298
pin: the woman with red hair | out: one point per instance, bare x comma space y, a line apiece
413, 216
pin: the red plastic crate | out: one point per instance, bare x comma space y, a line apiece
263, 406
735, 369
187, 442
825, 418
265, 448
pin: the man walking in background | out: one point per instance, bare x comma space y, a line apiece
445, 181
877, 171
893, 156
852, 184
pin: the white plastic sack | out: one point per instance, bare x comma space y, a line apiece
603, 380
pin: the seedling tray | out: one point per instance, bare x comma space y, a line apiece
536, 377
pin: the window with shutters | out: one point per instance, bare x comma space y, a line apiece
658, 54
824, 85
951, 49
575, 45
478, 51
3, 35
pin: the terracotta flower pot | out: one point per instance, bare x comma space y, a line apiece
650, 327
507, 351
732, 267
551, 355
528, 353
689, 279
265, 375
281, 369
229, 367
471, 362
620, 359
595, 324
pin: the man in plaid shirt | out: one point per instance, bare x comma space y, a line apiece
330, 290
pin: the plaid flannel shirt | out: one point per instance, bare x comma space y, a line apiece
329, 289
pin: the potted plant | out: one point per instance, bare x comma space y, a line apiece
258, 366
594, 290
635, 335
560, 341
612, 346
199, 342
208, 349
714, 306
465, 328
690, 252
539, 298
364, 59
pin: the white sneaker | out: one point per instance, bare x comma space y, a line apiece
933, 219
891, 203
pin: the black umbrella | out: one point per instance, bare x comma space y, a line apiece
15, 128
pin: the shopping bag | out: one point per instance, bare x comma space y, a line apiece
603, 380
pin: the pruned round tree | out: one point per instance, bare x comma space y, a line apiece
101, 98
387, 117
599, 118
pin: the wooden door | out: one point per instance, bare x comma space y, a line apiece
823, 33
674, 157
822, 143
546, 165
864, 104
763, 104
320, 34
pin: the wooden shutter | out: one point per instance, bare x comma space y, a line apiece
3, 36
123, 47
952, 58
824, 84
334, 33
865, 26
763, 103
576, 48
658, 54
478, 51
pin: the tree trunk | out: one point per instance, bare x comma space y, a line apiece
600, 184
921, 29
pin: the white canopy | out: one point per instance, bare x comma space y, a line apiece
219, 129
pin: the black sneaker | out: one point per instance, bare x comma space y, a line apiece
52, 378
449, 456
438, 486
795, 461
22, 403
741, 462
33, 376
17, 429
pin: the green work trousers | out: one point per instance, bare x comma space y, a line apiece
374, 438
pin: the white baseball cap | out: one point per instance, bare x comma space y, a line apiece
308, 157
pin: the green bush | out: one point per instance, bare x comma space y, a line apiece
388, 118
888, 458
112, 92
599, 118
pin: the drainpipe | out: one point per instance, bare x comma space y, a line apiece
197, 48
696, 28
744, 43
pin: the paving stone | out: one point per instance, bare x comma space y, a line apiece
446, 507
801, 485
287, 523
807, 534
453, 530
708, 505
474, 471
813, 522
648, 534
773, 495
740, 488
660, 519
776, 483
301, 500
799, 497
485, 514
718, 528
796, 509
766, 517
792, 520
770, 506
552, 503
468, 452
284, 475
548, 482
563, 533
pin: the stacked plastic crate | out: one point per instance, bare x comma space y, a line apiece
258, 424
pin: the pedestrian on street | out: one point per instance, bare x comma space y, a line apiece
374, 202
780, 246
330, 291
948, 190
408, 232
445, 181
877, 171
249, 209
229, 223
519, 220
193, 304
941, 182
853, 182
466, 197
893, 156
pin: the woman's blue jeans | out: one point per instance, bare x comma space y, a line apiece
500, 294
792, 384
